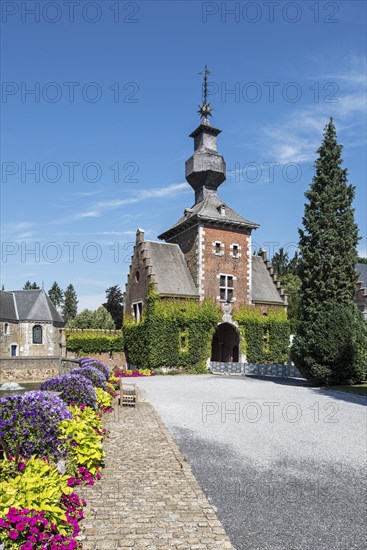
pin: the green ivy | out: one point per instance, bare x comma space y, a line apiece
254, 326
94, 342
156, 340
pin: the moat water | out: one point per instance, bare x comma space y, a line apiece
14, 388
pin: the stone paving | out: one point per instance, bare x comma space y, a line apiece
147, 497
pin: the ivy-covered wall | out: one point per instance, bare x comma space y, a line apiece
179, 334
172, 334
264, 338
97, 341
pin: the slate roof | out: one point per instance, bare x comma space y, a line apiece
362, 270
263, 287
28, 305
172, 275
8, 310
209, 210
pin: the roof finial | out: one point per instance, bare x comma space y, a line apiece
205, 108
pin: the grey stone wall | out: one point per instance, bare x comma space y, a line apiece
23, 369
282, 371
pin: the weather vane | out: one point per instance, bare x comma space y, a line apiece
205, 109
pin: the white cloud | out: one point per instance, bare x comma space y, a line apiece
297, 136
145, 194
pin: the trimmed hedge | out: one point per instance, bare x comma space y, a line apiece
172, 334
264, 338
94, 342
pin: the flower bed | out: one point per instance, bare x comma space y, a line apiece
90, 362
74, 388
93, 374
29, 423
51, 445
132, 373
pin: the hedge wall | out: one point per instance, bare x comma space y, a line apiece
94, 342
172, 334
264, 338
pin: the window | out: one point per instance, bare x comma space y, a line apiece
226, 288
184, 340
218, 248
137, 276
235, 250
13, 350
6, 328
37, 334
138, 310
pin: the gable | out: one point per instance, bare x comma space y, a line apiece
263, 287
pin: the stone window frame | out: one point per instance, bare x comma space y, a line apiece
228, 289
137, 308
238, 248
6, 329
218, 248
36, 340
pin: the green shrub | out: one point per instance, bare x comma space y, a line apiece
94, 342
332, 350
86, 449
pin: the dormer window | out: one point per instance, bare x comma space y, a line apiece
222, 209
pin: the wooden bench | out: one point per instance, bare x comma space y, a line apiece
129, 394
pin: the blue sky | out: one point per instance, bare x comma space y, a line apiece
116, 89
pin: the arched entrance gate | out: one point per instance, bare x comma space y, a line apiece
225, 344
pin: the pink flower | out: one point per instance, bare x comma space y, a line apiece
20, 526
13, 534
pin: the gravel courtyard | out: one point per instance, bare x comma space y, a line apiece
283, 464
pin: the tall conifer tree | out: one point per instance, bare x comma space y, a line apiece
328, 348
70, 307
328, 242
56, 295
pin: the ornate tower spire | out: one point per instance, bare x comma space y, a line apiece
205, 108
206, 169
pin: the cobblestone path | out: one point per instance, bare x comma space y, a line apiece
147, 497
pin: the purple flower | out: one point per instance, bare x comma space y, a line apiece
90, 362
93, 374
37, 413
75, 389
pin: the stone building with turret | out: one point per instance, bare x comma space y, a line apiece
207, 253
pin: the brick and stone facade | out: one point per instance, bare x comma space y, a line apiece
206, 254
